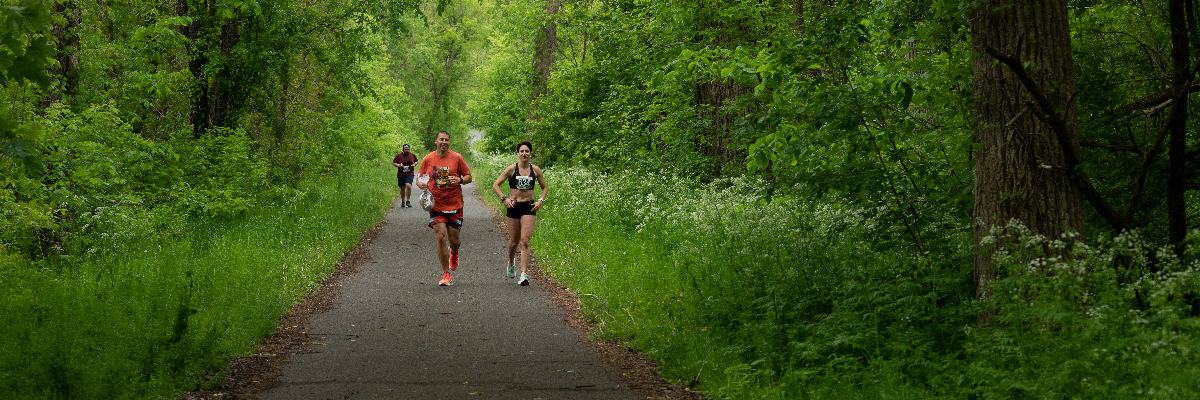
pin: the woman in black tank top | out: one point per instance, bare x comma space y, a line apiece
522, 178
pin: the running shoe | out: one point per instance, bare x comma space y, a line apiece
523, 281
511, 271
408, 204
447, 280
454, 261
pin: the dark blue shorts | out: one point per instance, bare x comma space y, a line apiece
404, 180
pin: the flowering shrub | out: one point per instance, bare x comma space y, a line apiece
1117, 318
750, 295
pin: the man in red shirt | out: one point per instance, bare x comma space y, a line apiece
404, 163
443, 172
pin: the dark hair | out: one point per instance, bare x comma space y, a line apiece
441, 132
526, 144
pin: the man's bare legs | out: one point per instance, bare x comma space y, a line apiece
447, 242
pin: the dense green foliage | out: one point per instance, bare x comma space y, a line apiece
776, 196
777, 199
144, 110
177, 174
168, 301
432, 62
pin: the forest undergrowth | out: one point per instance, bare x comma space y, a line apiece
747, 295
165, 307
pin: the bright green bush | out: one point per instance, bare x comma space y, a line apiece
168, 310
220, 174
87, 172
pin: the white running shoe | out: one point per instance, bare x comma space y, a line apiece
523, 280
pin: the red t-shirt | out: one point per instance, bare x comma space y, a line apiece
405, 159
446, 196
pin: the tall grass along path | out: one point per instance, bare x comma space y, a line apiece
393, 333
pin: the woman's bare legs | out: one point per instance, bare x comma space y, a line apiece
527, 222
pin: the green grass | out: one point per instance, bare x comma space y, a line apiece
162, 315
795, 297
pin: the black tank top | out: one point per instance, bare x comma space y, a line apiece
523, 182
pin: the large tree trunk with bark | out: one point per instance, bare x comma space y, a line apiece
1021, 171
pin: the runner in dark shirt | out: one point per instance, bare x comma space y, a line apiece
404, 162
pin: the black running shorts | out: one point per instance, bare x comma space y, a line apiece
521, 208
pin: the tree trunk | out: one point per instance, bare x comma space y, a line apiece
67, 38
714, 141
1177, 124
212, 95
221, 94
798, 8
281, 105
105, 14
200, 86
1021, 172
545, 46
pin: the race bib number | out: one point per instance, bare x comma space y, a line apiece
525, 182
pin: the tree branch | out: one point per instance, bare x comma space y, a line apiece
1153, 53
1153, 102
1046, 112
1148, 157
1128, 148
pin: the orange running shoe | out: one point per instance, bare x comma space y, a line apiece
454, 261
447, 280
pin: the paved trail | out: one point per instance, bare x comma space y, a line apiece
394, 334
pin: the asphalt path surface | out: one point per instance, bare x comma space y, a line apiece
393, 333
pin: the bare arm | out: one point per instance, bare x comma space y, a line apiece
464, 178
545, 189
496, 184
